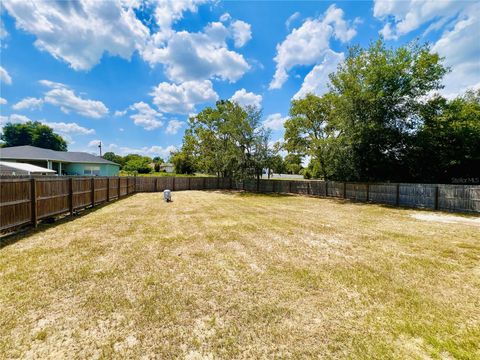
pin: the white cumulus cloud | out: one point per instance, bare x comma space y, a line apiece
5, 76
274, 121
64, 129
404, 16
198, 56
14, 119
458, 42
308, 44
3, 101
244, 98
62, 96
29, 103
145, 116
316, 81
69, 128
173, 126
241, 32
182, 98
80, 32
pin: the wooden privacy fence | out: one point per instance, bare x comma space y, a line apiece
27, 200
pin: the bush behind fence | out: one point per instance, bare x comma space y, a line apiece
27, 200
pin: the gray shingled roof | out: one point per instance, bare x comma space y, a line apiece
28, 152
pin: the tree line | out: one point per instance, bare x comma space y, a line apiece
382, 119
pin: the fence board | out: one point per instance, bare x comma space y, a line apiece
15, 203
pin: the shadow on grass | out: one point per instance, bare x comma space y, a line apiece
48, 223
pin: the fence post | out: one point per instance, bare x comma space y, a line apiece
33, 195
258, 184
93, 191
118, 188
368, 192
70, 190
289, 186
218, 182
344, 190
189, 183
108, 189
436, 198
135, 183
326, 188
173, 186
155, 189
203, 187
397, 199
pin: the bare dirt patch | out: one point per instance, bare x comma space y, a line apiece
447, 219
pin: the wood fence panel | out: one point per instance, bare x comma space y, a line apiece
383, 193
196, 183
335, 189
224, 183
417, 195
299, 187
237, 184
82, 193
15, 203
181, 183
123, 186
52, 197
317, 188
100, 190
114, 188
282, 186
266, 186
459, 198
356, 191
250, 185
146, 184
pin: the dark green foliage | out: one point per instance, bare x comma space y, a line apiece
157, 167
32, 133
111, 156
377, 122
183, 163
137, 163
226, 140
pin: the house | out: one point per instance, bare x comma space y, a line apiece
63, 162
15, 168
169, 168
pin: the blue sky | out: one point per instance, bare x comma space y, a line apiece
130, 72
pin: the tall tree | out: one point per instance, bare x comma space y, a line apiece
361, 129
32, 133
379, 93
447, 144
227, 140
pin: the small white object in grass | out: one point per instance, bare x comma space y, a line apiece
167, 195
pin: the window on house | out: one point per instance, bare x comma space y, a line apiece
91, 170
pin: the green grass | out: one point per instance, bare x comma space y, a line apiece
234, 275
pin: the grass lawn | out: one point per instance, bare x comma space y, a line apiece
233, 275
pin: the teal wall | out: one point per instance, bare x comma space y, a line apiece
105, 169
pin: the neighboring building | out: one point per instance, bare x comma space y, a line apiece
169, 168
63, 162
14, 168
